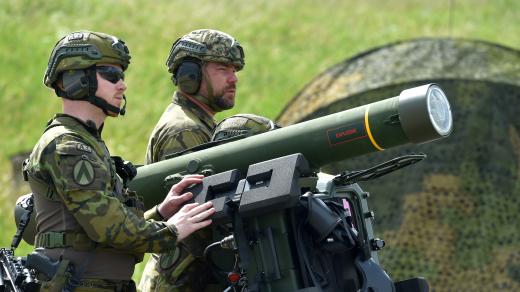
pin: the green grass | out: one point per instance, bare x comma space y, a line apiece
287, 43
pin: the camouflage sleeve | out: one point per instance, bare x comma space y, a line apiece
170, 143
83, 183
152, 214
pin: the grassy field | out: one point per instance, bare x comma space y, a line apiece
287, 43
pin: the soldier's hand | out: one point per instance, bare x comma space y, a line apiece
174, 200
192, 217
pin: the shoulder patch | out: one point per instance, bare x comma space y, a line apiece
83, 172
72, 147
83, 147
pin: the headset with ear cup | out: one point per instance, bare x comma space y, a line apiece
82, 85
75, 84
188, 76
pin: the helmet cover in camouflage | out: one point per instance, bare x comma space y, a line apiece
82, 49
206, 45
242, 124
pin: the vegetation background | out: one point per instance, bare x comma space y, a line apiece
287, 43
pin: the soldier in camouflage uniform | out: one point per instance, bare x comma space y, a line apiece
203, 64
85, 216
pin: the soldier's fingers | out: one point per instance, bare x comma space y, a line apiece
201, 224
184, 197
185, 182
194, 175
203, 215
186, 208
198, 209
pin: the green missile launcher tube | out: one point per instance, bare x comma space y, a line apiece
417, 115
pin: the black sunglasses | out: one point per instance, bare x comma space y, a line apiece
111, 74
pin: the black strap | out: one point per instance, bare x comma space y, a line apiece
24, 221
92, 98
105, 106
99, 102
125, 169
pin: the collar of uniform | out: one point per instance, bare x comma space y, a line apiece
183, 101
69, 120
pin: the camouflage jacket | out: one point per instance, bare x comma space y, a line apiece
80, 207
182, 125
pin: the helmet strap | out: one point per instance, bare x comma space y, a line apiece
90, 86
97, 101
105, 106
210, 100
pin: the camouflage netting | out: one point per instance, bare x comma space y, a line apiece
454, 217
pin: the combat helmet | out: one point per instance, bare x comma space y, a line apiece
75, 56
244, 125
206, 45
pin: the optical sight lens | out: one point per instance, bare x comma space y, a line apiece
439, 110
